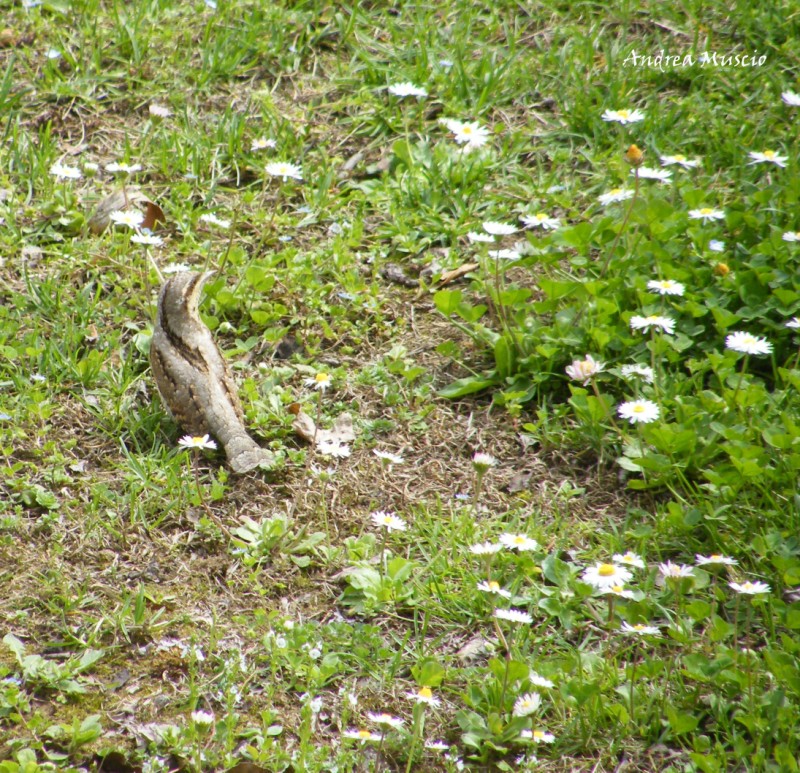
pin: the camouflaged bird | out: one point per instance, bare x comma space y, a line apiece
192, 376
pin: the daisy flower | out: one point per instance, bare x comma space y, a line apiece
407, 90
675, 571
791, 99
424, 695
203, 717
615, 195
647, 173
640, 629
639, 411
526, 704
680, 160
64, 172
665, 324
793, 323
513, 615
384, 719
542, 736
362, 735
151, 240
791, 236
706, 214
540, 681
320, 382
747, 343
437, 746
284, 170
604, 576
645, 372
715, 245
471, 135
715, 559
387, 457
541, 220
519, 542
623, 116
388, 521
261, 143
159, 111
494, 588
476, 237
504, 254
750, 588
174, 268
131, 218
498, 229
122, 168
584, 370
768, 157
483, 462
618, 590
666, 287
629, 559
486, 548
333, 448
212, 219
195, 441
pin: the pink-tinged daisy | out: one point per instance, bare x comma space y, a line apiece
750, 588
584, 370
384, 719
715, 559
675, 571
527, 704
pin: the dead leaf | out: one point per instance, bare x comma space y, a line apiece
340, 433
456, 273
520, 481
7, 38
121, 200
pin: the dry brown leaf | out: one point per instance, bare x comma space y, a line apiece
121, 200
340, 433
456, 273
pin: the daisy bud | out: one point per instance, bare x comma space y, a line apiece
722, 269
634, 156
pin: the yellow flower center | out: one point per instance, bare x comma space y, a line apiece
519, 540
715, 557
624, 113
638, 627
615, 191
769, 154
638, 408
425, 693
493, 586
679, 157
322, 378
467, 130
706, 211
608, 570
364, 734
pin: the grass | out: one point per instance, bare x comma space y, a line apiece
162, 614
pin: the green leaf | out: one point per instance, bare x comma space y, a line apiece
428, 673
681, 723
466, 386
503, 357
447, 301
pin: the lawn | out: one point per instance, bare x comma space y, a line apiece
528, 270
